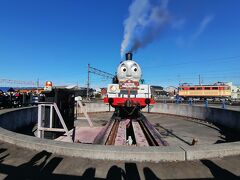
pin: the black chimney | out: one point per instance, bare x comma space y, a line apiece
129, 56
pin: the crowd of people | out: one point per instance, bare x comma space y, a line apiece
11, 99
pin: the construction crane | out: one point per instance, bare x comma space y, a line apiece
99, 73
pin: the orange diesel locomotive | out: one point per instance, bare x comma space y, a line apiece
205, 91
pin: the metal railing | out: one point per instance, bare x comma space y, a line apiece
41, 120
84, 111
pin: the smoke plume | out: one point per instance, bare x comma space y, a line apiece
147, 18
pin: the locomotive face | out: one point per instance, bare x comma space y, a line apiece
129, 70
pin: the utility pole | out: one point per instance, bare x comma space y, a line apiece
179, 79
199, 79
88, 82
37, 85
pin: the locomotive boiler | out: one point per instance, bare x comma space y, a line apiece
127, 95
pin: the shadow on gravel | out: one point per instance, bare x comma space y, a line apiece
149, 174
229, 135
41, 166
218, 172
131, 172
38, 167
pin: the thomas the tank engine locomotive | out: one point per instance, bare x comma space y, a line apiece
126, 94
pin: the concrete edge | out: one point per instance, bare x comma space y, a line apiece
154, 154
139, 154
212, 151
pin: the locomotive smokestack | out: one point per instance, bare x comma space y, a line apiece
129, 56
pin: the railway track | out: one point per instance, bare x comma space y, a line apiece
113, 133
133, 132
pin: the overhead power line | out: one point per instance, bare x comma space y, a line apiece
97, 72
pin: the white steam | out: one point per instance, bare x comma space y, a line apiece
146, 20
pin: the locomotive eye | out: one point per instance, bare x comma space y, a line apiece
123, 68
134, 68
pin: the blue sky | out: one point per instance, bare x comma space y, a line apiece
56, 39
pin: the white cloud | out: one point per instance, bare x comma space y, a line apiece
188, 41
202, 27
